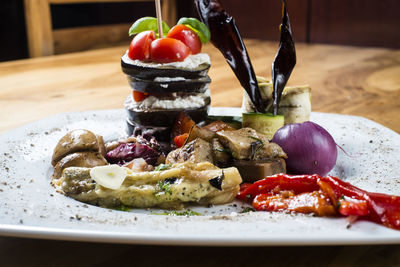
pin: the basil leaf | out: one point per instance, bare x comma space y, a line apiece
147, 24
198, 27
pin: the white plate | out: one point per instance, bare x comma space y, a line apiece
30, 207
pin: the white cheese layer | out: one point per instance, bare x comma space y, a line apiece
191, 62
179, 102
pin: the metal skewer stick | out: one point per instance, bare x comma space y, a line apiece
159, 18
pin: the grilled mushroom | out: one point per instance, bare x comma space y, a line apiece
77, 141
79, 159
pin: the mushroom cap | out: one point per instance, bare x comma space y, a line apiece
79, 159
77, 140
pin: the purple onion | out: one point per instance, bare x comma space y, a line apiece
128, 151
309, 147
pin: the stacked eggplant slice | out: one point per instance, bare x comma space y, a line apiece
168, 88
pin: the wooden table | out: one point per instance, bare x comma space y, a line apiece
347, 80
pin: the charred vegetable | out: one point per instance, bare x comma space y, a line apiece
323, 196
285, 59
199, 85
226, 37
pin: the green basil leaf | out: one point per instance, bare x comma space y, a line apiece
198, 27
147, 24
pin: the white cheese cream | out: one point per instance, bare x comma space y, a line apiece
191, 101
191, 62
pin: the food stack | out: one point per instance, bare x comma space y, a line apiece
167, 77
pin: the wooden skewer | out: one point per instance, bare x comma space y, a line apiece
159, 18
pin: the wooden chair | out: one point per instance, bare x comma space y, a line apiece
43, 40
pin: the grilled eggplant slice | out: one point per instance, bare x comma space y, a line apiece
165, 117
172, 188
150, 73
166, 85
161, 133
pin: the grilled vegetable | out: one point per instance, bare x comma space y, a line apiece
264, 123
247, 144
162, 134
164, 117
195, 151
284, 61
253, 170
199, 85
149, 72
172, 188
323, 196
226, 37
295, 104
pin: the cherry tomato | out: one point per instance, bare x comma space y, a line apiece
139, 96
140, 45
165, 50
186, 36
180, 139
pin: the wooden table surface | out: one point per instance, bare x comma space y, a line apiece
346, 80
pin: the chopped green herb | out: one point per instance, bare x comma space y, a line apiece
180, 213
255, 146
123, 208
163, 167
223, 150
256, 138
247, 209
164, 187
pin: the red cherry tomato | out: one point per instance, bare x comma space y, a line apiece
186, 36
180, 139
139, 96
165, 50
140, 45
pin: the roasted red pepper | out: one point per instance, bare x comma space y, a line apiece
180, 140
318, 195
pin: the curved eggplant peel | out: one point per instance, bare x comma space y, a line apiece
226, 37
285, 59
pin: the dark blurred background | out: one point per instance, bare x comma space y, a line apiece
347, 22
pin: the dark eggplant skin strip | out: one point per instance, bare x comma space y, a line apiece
199, 85
226, 37
285, 59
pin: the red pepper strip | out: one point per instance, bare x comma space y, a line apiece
299, 184
383, 209
359, 208
380, 208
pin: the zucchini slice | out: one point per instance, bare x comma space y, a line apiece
265, 123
